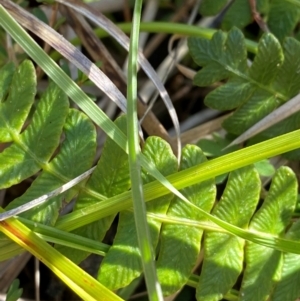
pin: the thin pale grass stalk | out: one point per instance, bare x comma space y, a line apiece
134, 153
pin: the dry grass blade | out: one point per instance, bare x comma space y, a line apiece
194, 134
121, 38
42, 199
10, 269
70, 52
98, 52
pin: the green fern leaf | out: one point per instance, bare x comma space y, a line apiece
32, 150
15, 108
287, 125
14, 292
288, 288
6, 75
255, 91
111, 177
75, 157
209, 8
283, 17
263, 265
288, 78
180, 245
122, 263
288, 82
238, 14
224, 253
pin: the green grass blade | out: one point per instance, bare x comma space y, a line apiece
139, 206
82, 283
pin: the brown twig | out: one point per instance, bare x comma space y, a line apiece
257, 17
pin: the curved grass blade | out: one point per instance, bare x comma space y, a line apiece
78, 280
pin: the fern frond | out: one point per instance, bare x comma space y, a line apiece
180, 245
33, 150
224, 253
288, 288
111, 177
122, 263
264, 265
254, 91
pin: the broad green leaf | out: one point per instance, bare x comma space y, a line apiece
215, 147
14, 292
32, 150
288, 287
283, 16
122, 263
75, 157
288, 82
238, 15
265, 168
15, 108
221, 58
224, 253
210, 8
111, 177
180, 244
263, 265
